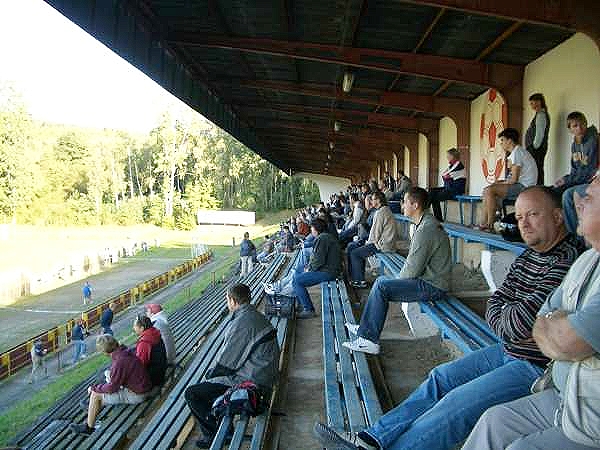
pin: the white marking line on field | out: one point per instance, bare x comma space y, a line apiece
41, 311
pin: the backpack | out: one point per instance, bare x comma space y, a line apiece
243, 399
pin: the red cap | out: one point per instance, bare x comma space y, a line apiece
154, 308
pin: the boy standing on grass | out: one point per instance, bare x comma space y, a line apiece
247, 248
87, 293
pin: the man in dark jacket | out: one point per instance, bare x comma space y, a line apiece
324, 265
128, 382
247, 249
249, 353
107, 318
78, 338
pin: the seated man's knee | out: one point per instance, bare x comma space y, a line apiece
567, 196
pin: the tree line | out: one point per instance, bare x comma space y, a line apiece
64, 175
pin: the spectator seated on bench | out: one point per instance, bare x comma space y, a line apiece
441, 412
566, 330
324, 264
250, 353
159, 321
267, 251
129, 382
150, 350
523, 173
424, 276
350, 228
455, 181
584, 162
383, 237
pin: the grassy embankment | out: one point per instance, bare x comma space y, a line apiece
24, 413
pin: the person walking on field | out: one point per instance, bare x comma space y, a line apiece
38, 352
87, 293
247, 249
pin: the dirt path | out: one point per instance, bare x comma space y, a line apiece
13, 389
32, 315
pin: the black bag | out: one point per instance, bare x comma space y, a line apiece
280, 306
509, 228
243, 399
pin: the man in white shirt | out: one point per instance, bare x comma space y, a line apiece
523, 174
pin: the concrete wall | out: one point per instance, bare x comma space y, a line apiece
447, 139
327, 184
569, 78
423, 161
406, 162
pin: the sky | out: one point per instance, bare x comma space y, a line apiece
66, 76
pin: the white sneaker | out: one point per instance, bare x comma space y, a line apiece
352, 328
362, 345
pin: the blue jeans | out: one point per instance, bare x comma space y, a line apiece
304, 280
79, 348
441, 412
568, 205
387, 290
309, 241
107, 330
357, 255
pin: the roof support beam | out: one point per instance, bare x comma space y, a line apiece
353, 117
431, 66
581, 15
427, 33
489, 49
414, 102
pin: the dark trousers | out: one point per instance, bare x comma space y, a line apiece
539, 155
200, 398
437, 195
357, 255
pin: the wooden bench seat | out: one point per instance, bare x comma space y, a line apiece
456, 322
351, 400
173, 421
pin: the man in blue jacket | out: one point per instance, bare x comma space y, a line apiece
584, 163
107, 318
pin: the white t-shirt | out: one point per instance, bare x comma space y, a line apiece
522, 158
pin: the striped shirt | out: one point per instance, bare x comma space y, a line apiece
512, 309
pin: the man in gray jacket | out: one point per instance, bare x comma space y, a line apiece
249, 353
424, 276
383, 237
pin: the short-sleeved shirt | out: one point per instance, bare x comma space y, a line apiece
584, 321
522, 158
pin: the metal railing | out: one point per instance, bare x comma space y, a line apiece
19, 356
